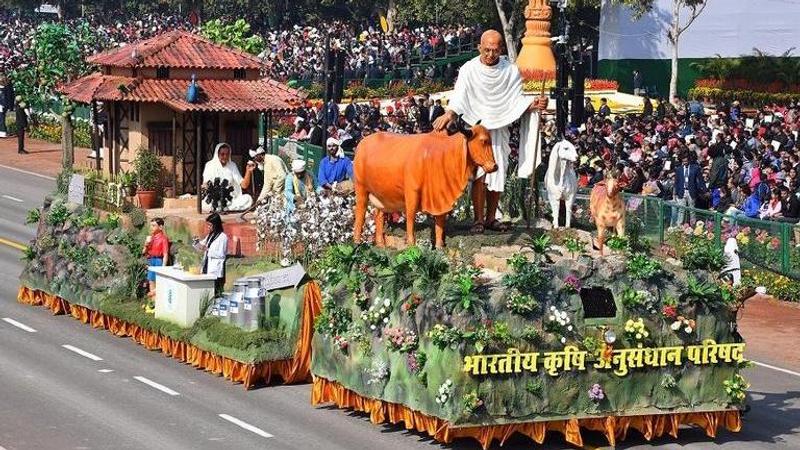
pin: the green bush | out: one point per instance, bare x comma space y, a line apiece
148, 167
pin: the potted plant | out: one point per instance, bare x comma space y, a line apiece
128, 182
147, 167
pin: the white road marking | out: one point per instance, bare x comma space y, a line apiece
26, 172
13, 199
153, 384
779, 369
106, 370
19, 325
83, 353
246, 426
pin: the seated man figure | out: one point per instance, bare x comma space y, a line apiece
298, 185
221, 167
334, 167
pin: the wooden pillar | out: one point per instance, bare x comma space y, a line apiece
67, 144
198, 139
174, 155
96, 137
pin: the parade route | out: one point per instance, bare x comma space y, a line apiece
67, 385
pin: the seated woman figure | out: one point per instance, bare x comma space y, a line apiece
221, 167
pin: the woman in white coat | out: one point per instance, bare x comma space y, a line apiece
215, 246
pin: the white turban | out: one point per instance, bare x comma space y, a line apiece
332, 141
298, 165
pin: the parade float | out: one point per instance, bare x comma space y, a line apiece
559, 341
87, 263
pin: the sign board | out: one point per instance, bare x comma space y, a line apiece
77, 189
46, 8
282, 278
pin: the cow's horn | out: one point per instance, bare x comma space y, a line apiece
478, 123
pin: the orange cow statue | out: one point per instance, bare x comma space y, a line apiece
607, 207
422, 172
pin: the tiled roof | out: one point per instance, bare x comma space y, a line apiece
178, 49
215, 95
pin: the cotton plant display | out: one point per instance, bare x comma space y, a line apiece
320, 222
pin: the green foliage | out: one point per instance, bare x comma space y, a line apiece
574, 244
112, 221
57, 50
87, 219
148, 168
703, 291
33, 216
102, 266
618, 243
522, 304
460, 294
444, 336
58, 214
471, 402
127, 178
237, 35
640, 300
736, 388
704, 254
29, 253
525, 276
535, 387
643, 268
496, 334
138, 217
592, 344
234, 337
668, 381
531, 334
541, 244
334, 320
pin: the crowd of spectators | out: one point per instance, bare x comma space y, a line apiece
299, 53
295, 53
722, 158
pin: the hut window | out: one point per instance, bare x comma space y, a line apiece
162, 73
239, 74
598, 303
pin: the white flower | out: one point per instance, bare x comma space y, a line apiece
383, 311
552, 308
385, 320
372, 327
563, 340
569, 328
437, 400
688, 330
638, 335
441, 390
387, 302
675, 326
567, 320
552, 318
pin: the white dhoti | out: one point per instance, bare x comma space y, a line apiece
493, 95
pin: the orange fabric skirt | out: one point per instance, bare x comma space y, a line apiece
292, 370
613, 427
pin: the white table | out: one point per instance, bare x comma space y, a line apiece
179, 294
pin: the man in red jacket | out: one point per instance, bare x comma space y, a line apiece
156, 248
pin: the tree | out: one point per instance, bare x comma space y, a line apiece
236, 35
676, 27
509, 12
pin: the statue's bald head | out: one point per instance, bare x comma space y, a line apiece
491, 47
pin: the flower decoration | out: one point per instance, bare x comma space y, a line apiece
572, 283
341, 342
400, 339
669, 311
635, 331
736, 388
378, 371
471, 402
596, 393
377, 315
445, 392
558, 322
410, 305
683, 324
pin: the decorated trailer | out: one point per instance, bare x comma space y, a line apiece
558, 342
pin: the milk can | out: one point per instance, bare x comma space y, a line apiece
253, 303
223, 307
